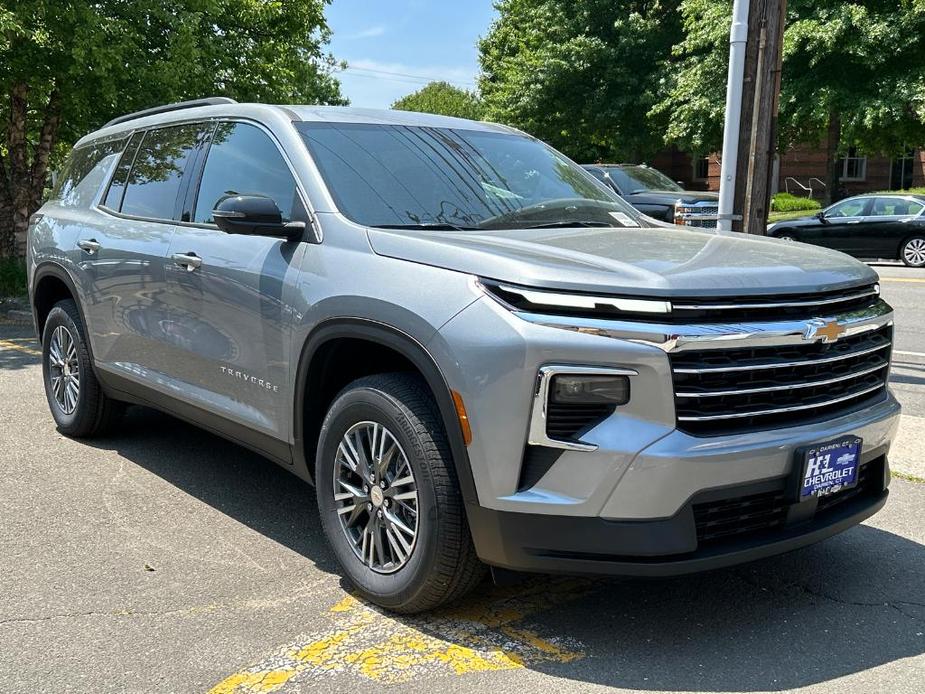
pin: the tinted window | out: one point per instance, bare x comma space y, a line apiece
898, 207
848, 208
390, 175
243, 160
117, 186
83, 173
158, 171
634, 179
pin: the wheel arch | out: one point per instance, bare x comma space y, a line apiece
306, 417
51, 283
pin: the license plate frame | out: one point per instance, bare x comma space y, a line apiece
826, 478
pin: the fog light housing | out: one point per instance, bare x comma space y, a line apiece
589, 389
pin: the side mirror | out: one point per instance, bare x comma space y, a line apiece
254, 215
820, 215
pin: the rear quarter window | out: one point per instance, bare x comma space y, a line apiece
85, 171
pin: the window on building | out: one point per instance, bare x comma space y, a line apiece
901, 171
701, 168
853, 166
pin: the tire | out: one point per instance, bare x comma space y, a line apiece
81, 410
786, 237
912, 252
441, 564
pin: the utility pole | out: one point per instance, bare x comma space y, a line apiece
753, 91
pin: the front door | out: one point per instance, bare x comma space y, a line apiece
230, 295
843, 227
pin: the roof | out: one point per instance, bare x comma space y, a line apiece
186, 111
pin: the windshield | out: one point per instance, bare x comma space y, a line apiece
422, 177
636, 179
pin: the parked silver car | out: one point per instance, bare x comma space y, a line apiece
470, 347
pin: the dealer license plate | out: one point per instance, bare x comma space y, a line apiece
830, 467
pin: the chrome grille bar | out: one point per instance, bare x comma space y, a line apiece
784, 304
789, 386
781, 410
783, 364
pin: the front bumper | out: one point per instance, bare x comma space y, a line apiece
674, 546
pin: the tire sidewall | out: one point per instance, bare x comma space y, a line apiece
902, 251
370, 404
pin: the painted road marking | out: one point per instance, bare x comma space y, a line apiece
902, 279
10, 344
482, 634
909, 354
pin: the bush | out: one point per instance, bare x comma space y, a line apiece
12, 277
785, 202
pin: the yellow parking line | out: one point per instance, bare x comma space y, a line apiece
480, 635
9, 344
902, 279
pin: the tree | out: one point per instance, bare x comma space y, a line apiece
444, 99
68, 66
853, 75
581, 74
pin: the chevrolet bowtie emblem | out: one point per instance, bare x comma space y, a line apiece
829, 331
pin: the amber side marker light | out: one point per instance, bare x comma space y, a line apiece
463, 417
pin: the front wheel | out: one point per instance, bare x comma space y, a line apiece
913, 252
389, 498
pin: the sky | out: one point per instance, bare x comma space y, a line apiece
394, 47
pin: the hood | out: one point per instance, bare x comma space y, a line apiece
650, 262
670, 197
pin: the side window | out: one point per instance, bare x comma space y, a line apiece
243, 160
895, 207
848, 208
116, 190
158, 171
84, 172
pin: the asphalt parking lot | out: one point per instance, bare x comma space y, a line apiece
165, 559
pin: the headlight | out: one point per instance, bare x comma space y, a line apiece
570, 389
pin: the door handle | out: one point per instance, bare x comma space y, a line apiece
855, 221
190, 261
91, 246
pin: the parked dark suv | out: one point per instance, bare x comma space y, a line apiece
654, 194
468, 344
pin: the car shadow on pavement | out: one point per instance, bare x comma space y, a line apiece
844, 606
229, 478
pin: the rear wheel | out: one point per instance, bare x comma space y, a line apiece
913, 252
77, 402
389, 498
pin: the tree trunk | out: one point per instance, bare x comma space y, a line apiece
832, 144
21, 182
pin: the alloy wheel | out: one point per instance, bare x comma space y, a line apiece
914, 252
64, 372
376, 498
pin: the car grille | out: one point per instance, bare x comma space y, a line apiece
699, 215
733, 518
565, 421
724, 391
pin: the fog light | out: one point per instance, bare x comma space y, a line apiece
570, 389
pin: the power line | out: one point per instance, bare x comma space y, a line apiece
402, 76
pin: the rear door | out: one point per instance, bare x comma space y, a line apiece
124, 256
230, 295
889, 224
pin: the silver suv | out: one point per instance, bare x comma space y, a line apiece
475, 352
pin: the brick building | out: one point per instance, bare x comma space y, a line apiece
802, 171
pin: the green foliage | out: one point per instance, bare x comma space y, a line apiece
443, 99
862, 62
580, 74
12, 277
785, 202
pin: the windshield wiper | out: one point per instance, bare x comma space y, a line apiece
427, 226
569, 223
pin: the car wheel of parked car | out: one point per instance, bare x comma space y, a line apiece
77, 402
785, 237
389, 498
913, 252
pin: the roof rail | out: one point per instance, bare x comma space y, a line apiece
208, 101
